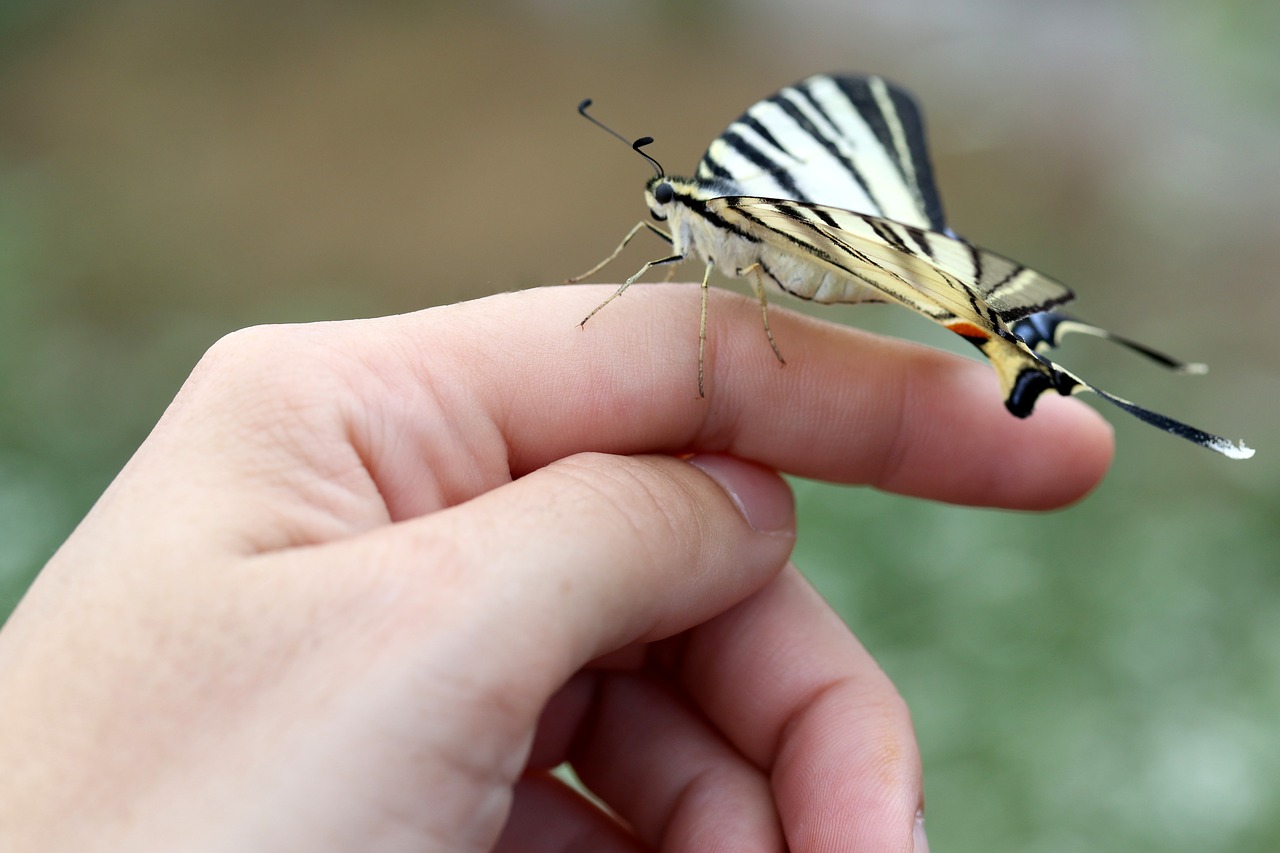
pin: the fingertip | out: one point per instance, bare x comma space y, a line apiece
956, 442
1078, 449
764, 498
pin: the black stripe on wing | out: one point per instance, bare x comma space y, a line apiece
758, 158
908, 148
828, 142
847, 141
972, 282
773, 158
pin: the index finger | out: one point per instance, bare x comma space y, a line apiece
847, 407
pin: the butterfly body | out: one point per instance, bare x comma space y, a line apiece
824, 191
704, 228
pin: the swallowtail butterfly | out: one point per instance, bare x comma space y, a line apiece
824, 190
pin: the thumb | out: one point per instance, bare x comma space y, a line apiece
460, 625
529, 582
583, 556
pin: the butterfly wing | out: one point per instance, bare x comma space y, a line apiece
906, 262
856, 143
972, 292
975, 293
1046, 330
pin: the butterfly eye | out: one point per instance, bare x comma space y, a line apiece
663, 193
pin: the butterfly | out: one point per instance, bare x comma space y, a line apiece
824, 190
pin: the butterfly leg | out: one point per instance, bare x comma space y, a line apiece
758, 278
702, 332
625, 240
673, 259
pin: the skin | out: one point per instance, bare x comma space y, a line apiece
367, 581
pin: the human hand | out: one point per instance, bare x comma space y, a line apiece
366, 581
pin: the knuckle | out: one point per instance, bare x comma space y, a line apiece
246, 353
264, 384
258, 365
654, 510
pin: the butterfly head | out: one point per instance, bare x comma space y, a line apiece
667, 196
659, 193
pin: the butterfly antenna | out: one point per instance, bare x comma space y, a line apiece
635, 146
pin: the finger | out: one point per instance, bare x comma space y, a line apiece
794, 691
486, 597
658, 544
847, 406
395, 417
548, 817
671, 777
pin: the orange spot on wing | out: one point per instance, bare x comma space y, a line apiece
968, 330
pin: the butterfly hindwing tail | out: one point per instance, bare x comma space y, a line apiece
1045, 330
1024, 377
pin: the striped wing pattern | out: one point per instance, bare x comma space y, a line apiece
970, 291
977, 294
825, 190
850, 142
836, 168
969, 282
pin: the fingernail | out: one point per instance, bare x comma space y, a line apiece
763, 498
920, 844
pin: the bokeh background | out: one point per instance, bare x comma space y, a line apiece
1106, 677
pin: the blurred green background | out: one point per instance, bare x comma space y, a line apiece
1106, 677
